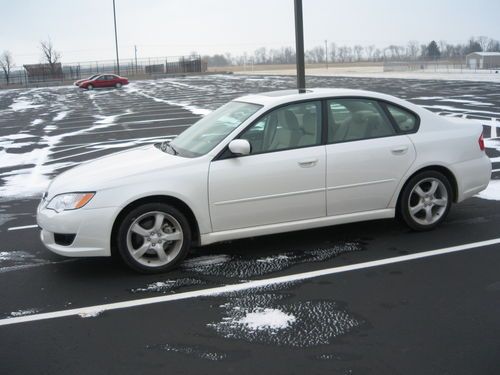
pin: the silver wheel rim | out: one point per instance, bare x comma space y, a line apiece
428, 201
90, 87
154, 239
118, 85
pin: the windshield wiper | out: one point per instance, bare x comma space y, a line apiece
166, 146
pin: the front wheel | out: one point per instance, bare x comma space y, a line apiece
118, 85
153, 238
90, 87
426, 200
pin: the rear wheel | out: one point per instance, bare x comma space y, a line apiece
90, 87
153, 238
118, 85
426, 200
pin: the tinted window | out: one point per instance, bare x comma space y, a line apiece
292, 126
406, 121
356, 119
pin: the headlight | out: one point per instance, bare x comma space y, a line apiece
69, 201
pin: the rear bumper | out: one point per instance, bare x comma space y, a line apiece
472, 176
92, 229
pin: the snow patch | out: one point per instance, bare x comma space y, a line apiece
17, 313
492, 192
61, 115
22, 103
36, 122
91, 313
261, 319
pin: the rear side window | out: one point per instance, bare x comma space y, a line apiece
357, 119
406, 121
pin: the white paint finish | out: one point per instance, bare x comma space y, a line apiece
90, 310
23, 227
364, 175
290, 226
267, 188
271, 193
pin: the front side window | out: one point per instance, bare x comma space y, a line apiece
288, 127
356, 119
406, 121
208, 132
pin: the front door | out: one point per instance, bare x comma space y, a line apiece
283, 178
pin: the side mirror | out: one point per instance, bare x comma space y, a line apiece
239, 147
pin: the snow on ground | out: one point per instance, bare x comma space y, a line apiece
377, 72
492, 192
277, 319
265, 319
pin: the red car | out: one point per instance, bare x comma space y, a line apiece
77, 83
104, 80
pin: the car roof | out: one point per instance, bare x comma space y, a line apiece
273, 98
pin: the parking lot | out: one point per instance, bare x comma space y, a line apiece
384, 300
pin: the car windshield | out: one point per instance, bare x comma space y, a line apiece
208, 132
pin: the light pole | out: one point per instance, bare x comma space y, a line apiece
116, 41
299, 47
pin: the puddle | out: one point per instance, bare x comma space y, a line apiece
247, 266
272, 319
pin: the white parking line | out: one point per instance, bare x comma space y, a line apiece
23, 227
97, 309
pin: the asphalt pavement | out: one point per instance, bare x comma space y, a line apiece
414, 312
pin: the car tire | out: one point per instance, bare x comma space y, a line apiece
90, 87
118, 85
153, 238
425, 200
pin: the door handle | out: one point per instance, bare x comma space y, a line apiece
401, 150
308, 163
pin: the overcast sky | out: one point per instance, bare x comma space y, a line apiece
82, 30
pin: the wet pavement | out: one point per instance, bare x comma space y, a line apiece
434, 315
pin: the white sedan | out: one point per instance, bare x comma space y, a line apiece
263, 164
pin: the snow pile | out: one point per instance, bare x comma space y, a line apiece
262, 319
279, 321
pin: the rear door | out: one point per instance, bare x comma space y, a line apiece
367, 156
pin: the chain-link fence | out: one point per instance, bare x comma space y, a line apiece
436, 66
47, 75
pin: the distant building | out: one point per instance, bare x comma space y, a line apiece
483, 60
43, 72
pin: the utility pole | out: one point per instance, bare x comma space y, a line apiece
299, 47
116, 41
135, 53
326, 53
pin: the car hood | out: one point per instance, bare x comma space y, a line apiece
115, 170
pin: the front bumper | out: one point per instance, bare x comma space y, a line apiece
92, 229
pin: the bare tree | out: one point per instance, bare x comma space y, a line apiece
50, 55
412, 49
369, 51
6, 63
358, 52
483, 42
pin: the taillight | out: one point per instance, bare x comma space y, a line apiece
481, 142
